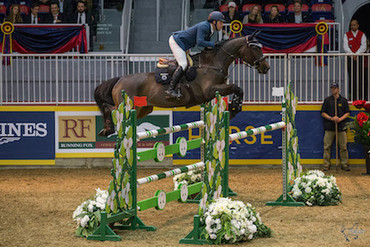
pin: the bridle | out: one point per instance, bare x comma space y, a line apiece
257, 62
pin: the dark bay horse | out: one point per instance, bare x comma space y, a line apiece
212, 72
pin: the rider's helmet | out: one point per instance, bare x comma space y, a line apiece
216, 16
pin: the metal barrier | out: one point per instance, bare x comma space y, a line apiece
72, 78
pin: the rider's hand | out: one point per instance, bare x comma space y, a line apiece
217, 44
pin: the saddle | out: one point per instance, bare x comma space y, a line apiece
166, 67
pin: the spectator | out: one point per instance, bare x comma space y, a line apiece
83, 17
274, 16
69, 7
232, 14
330, 120
254, 17
14, 14
354, 42
55, 16
298, 16
33, 17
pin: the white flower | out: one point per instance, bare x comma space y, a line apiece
213, 119
308, 203
110, 201
220, 145
78, 211
252, 229
213, 236
254, 219
203, 202
250, 236
209, 220
291, 170
91, 206
127, 143
211, 171
289, 129
128, 104
119, 117
322, 196
125, 193
85, 220
118, 169
218, 192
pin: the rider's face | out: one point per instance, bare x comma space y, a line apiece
219, 25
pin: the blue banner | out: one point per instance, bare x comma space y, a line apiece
267, 146
27, 135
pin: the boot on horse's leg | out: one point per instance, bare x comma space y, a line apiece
173, 91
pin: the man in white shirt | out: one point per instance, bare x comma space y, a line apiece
354, 42
55, 15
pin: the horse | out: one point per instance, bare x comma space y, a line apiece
212, 72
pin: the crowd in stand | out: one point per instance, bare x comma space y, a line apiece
50, 12
47, 11
274, 11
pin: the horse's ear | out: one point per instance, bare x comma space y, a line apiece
254, 35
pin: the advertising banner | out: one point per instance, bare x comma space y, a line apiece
78, 133
27, 136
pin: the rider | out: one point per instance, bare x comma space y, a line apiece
181, 41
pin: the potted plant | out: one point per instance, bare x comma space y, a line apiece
361, 128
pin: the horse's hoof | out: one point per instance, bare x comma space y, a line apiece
106, 132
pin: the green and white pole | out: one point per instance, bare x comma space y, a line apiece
168, 130
170, 173
256, 131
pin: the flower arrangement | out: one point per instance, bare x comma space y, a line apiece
361, 124
314, 188
190, 177
228, 221
87, 215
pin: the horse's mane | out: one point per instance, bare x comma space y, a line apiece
210, 52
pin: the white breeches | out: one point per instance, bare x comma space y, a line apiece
178, 52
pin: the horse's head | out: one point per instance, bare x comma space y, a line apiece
252, 54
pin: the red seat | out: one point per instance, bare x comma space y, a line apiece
247, 7
304, 8
281, 7
321, 8
3, 9
224, 8
24, 9
44, 9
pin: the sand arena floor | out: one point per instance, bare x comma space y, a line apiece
36, 207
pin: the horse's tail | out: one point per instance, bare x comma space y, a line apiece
103, 93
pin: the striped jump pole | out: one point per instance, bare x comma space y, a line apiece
170, 173
256, 131
168, 130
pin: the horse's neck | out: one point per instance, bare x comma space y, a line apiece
228, 53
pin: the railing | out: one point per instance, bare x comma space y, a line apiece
72, 78
334, 32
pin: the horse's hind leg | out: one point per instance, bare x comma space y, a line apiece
108, 128
143, 111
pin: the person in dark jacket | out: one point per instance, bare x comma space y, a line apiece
274, 16
55, 16
232, 14
33, 17
330, 120
182, 41
83, 17
298, 16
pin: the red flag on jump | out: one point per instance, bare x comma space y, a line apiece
140, 101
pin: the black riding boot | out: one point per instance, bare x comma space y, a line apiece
173, 91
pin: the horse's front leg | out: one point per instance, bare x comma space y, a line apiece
235, 106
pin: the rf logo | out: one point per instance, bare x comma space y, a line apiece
76, 129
